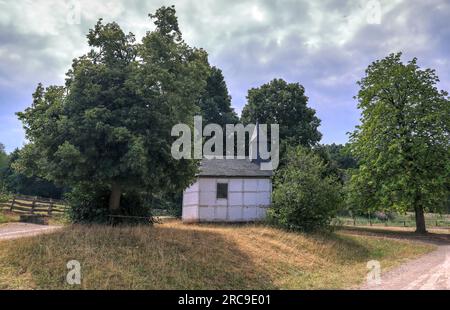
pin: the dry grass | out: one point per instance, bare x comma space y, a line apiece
177, 256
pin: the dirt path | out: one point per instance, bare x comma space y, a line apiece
19, 230
428, 272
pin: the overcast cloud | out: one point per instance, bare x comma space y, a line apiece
324, 45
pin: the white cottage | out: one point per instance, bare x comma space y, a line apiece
228, 190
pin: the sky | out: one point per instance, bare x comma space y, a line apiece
324, 45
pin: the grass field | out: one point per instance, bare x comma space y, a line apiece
177, 256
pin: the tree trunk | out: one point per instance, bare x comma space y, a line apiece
114, 198
420, 220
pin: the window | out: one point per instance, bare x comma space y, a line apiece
222, 190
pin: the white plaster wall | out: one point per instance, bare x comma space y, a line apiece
235, 198
248, 200
190, 214
234, 214
190, 203
235, 185
250, 185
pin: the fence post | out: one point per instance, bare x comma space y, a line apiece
50, 207
33, 205
12, 203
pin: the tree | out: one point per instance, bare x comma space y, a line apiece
215, 103
341, 155
110, 125
402, 144
278, 102
304, 197
331, 165
337, 159
3, 167
3, 157
15, 182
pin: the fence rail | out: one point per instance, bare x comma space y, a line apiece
22, 204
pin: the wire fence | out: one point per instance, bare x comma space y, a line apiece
400, 220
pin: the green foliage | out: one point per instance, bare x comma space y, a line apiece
403, 142
340, 155
166, 203
304, 197
89, 204
3, 157
4, 196
215, 102
338, 160
13, 181
278, 102
110, 125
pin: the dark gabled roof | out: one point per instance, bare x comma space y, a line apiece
231, 168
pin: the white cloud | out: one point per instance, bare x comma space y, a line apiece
325, 45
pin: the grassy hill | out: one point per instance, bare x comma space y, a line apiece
177, 256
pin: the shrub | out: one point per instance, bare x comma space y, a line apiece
90, 205
165, 203
4, 197
304, 198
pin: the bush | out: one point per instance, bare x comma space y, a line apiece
304, 198
166, 203
4, 197
90, 205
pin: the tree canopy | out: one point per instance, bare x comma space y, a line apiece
110, 124
286, 104
215, 102
403, 142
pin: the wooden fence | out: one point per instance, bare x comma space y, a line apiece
22, 204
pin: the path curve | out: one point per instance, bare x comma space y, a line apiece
429, 272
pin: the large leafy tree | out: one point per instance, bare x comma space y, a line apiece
286, 104
403, 142
215, 103
110, 125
